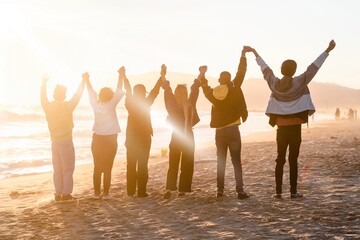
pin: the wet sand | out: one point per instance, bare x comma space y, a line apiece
329, 177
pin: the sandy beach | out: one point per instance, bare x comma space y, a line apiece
329, 177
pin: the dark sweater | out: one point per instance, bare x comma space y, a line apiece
233, 106
139, 120
175, 113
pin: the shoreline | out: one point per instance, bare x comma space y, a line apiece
329, 176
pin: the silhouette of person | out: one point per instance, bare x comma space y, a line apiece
351, 114
104, 140
337, 114
138, 134
182, 116
228, 106
59, 116
289, 106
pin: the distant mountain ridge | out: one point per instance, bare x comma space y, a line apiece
326, 96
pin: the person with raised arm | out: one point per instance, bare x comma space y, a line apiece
182, 116
289, 106
59, 116
104, 140
138, 133
228, 106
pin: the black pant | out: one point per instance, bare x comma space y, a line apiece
104, 149
137, 155
181, 151
287, 136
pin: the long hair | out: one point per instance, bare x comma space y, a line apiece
181, 97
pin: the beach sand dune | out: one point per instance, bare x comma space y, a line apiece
329, 179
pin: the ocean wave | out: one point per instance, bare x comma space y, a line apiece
8, 116
9, 166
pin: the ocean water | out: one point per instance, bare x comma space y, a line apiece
26, 147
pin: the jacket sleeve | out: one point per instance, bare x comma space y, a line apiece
267, 72
154, 92
313, 68
169, 98
240, 75
194, 92
76, 98
208, 92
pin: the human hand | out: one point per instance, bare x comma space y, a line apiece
163, 71
253, 51
85, 76
203, 69
331, 46
121, 72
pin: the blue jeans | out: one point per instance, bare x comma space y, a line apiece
229, 138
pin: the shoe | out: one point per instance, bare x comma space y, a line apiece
181, 194
277, 196
296, 195
143, 195
107, 197
67, 198
97, 196
167, 195
219, 194
57, 197
242, 195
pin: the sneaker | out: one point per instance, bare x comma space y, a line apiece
167, 195
97, 196
242, 195
296, 195
181, 194
219, 194
107, 197
67, 198
277, 196
143, 195
57, 197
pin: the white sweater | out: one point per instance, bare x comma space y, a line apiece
106, 121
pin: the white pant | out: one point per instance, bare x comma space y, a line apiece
63, 159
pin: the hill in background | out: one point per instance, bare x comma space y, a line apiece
326, 96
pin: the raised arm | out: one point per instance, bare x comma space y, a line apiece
207, 90
91, 92
194, 89
266, 70
240, 75
169, 97
155, 91
43, 94
122, 75
76, 98
314, 67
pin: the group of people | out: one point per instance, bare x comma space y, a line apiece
289, 106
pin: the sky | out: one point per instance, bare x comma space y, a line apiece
65, 38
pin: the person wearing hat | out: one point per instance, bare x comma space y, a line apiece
228, 106
289, 106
